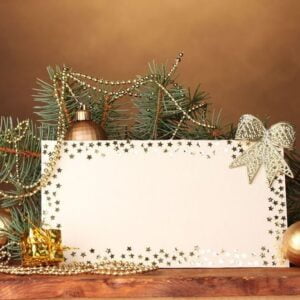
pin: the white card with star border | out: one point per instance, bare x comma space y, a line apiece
167, 203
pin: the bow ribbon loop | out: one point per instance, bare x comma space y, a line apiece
250, 128
282, 135
266, 150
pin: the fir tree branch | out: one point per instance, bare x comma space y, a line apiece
157, 114
105, 114
25, 153
293, 187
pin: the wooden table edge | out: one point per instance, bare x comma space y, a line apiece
160, 283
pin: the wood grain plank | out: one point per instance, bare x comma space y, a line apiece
161, 283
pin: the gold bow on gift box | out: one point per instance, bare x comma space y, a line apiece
267, 149
42, 247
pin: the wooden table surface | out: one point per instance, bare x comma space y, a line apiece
160, 283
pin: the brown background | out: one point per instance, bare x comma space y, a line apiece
245, 53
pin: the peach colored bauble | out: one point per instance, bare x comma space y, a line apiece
84, 129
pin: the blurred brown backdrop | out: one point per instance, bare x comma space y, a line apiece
245, 53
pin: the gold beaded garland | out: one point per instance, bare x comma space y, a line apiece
104, 267
128, 91
184, 117
136, 83
185, 114
13, 136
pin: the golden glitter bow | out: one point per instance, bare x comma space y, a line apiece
266, 151
42, 247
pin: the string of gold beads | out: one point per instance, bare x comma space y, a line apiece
175, 65
116, 94
124, 82
15, 135
72, 93
186, 114
136, 83
109, 268
104, 267
11, 137
201, 105
111, 82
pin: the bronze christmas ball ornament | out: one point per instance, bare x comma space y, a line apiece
83, 128
291, 244
4, 220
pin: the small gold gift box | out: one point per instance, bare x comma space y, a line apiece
42, 247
